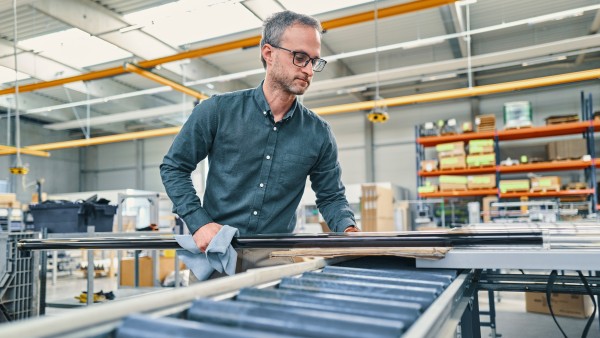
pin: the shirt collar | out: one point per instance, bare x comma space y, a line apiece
263, 105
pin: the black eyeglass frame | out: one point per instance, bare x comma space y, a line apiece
318, 64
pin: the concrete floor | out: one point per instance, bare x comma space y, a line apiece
512, 319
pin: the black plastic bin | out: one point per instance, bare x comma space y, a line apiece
66, 217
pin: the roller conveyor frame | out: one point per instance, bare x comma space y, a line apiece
439, 320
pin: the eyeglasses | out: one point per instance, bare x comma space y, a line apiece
302, 59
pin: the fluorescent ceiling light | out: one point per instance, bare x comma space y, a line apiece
543, 60
8, 75
466, 2
187, 21
438, 77
75, 48
556, 16
312, 7
263, 9
422, 42
130, 28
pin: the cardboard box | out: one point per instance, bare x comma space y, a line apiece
567, 149
481, 146
487, 208
455, 162
34, 197
8, 198
450, 183
563, 304
427, 188
429, 165
484, 160
545, 183
450, 149
481, 181
377, 208
514, 185
166, 266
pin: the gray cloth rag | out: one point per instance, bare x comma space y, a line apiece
220, 254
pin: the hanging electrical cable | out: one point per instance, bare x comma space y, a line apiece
379, 113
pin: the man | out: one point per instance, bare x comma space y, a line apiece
261, 145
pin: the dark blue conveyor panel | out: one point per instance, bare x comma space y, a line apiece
339, 301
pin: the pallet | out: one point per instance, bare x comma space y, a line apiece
513, 190
546, 189
517, 127
486, 123
453, 189
562, 119
481, 188
481, 166
576, 186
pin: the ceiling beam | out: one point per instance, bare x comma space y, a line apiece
164, 81
242, 43
593, 30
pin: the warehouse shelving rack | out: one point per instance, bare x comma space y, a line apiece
586, 128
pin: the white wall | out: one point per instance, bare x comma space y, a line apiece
60, 171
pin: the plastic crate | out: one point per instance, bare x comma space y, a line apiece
70, 217
18, 295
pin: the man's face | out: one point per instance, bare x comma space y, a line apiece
289, 77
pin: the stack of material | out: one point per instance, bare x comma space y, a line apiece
562, 119
9, 201
514, 185
377, 208
451, 155
485, 123
453, 183
548, 183
481, 181
567, 149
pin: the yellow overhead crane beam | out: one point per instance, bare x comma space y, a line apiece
8, 150
352, 107
164, 81
242, 43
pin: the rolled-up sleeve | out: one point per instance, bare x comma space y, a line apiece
327, 184
190, 147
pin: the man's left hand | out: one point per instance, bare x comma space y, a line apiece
352, 228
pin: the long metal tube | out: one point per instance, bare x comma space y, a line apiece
406, 239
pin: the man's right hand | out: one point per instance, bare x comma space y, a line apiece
205, 234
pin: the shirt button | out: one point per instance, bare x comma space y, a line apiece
264, 113
275, 128
268, 157
255, 213
262, 185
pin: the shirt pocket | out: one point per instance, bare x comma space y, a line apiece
294, 170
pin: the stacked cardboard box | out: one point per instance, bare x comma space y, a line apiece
451, 155
567, 149
482, 160
428, 187
452, 183
377, 208
514, 185
165, 267
548, 183
563, 304
9, 201
429, 165
485, 146
481, 181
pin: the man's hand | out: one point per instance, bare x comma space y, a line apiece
205, 234
352, 228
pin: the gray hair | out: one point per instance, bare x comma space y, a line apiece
275, 25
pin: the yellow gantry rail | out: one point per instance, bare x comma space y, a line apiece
164, 81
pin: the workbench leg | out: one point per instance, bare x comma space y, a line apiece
469, 323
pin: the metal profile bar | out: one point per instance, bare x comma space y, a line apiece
109, 314
164, 81
413, 6
407, 239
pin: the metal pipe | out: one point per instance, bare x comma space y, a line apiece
406, 239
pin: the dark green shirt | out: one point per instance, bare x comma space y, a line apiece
257, 168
